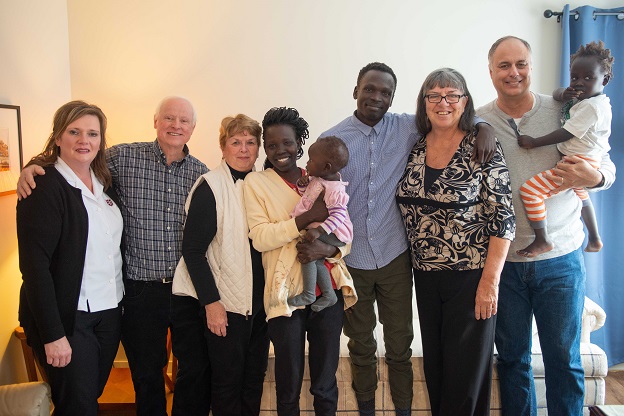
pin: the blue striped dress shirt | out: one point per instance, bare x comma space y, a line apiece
377, 160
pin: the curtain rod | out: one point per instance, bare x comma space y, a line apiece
549, 13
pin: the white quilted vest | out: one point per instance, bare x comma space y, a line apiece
228, 254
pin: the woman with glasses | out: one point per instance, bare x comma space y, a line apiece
459, 222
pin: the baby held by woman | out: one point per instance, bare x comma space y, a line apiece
326, 157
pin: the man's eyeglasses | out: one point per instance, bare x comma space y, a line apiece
450, 98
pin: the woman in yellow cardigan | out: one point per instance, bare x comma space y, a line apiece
270, 197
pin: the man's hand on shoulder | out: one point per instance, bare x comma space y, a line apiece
485, 143
26, 182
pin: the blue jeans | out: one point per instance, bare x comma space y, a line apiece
554, 291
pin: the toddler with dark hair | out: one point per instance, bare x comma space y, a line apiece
585, 131
326, 157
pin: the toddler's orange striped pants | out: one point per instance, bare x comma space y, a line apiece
535, 190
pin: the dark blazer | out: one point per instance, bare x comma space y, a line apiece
52, 230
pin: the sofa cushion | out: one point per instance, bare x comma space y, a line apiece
25, 399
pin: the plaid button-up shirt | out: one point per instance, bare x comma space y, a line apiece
152, 197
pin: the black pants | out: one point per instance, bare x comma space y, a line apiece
77, 386
229, 371
288, 335
192, 388
144, 325
457, 348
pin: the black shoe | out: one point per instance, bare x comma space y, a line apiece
403, 412
367, 408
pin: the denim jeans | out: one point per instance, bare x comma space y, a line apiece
554, 291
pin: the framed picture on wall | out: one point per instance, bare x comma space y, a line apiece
10, 148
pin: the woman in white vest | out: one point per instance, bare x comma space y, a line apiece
219, 283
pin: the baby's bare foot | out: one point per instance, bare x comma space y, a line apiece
593, 246
536, 248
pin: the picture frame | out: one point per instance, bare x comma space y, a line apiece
11, 159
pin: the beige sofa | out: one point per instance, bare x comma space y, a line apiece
594, 362
25, 399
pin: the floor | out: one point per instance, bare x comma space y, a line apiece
615, 387
614, 393
118, 397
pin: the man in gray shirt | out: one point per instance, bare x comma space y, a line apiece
551, 286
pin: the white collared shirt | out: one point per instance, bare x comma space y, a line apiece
102, 286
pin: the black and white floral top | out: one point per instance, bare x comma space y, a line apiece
449, 225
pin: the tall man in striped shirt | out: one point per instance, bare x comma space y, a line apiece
379, 143
152, 180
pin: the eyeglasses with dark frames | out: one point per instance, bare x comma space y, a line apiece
450, 98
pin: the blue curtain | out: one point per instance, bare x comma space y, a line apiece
605, 270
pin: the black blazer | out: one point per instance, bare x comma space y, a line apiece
52, 230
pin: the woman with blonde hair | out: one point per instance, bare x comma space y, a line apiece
219, 282
69, 235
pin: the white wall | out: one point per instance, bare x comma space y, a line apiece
248, 55
34, 74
